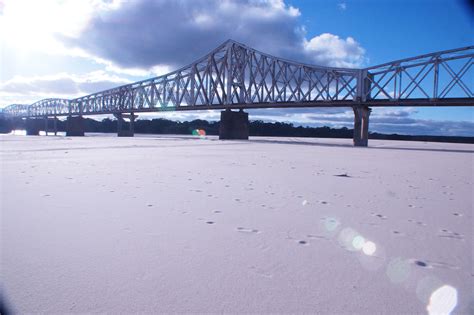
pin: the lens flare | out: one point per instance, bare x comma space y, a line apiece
199, 132
369, 248
373, 262
398, 270
443, 300
358, 242
346, 238
331, 224
426, 286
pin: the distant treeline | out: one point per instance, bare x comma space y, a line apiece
257, 128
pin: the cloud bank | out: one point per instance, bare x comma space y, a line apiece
147, 33
21, 89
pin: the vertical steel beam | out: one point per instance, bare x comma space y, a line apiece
46, 125
55, 126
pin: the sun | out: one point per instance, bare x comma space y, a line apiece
28, 25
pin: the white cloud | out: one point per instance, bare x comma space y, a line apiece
329, 49
142, 34
342, 6
21, 89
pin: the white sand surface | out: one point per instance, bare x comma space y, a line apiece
179, 224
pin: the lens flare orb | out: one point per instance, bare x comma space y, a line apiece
369, 248
443, 300
199, 132
358, 242
398, 270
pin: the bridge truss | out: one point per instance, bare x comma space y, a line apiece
236, 76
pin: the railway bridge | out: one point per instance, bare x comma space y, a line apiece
234, 77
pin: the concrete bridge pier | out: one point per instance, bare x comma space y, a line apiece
234, 125
55, 125
361, 126
75, 126
46, 125
122, 130
32, 126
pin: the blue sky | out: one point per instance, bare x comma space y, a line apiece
69, 48
397, 29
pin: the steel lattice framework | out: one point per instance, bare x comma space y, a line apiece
236, 76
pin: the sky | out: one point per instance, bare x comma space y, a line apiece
71, 48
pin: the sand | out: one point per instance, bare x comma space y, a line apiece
180, 224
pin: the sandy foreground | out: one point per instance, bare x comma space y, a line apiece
179, 224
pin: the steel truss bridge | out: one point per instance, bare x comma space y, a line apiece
235, 76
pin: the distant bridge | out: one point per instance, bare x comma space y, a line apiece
235, 76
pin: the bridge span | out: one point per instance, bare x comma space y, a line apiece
237, 77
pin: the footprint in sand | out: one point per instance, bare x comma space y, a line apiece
457, 214
398, 233
445, 233
247, 230
320, 237
217, 211
343, 175
302, 242
378, 215
433, 264
443, 265
417, 222
210, 222
421, 263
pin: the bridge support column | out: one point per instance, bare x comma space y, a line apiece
234, 125
75, 126
122, 131
32, 126
46, 125
55, 126
361, 126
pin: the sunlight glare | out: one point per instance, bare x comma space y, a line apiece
358, 242
398, 270
29, 24
369, 248
443, 300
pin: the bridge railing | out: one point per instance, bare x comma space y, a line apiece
440, 75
